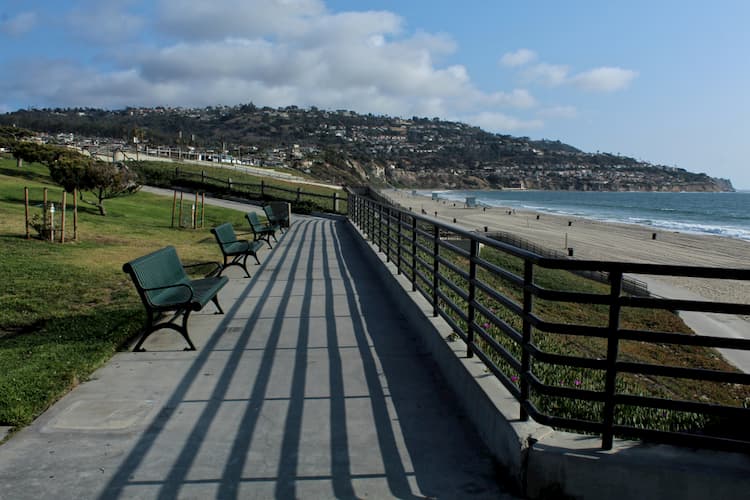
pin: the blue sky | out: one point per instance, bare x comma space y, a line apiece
665, 81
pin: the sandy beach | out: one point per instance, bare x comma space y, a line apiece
596, 240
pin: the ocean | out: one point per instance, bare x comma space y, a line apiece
720, 214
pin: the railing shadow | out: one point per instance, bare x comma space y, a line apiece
328, 311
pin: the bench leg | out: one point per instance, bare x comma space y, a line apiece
152, 326
148, 329
184, 331
215, 300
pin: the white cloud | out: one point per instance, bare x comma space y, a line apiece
500, 122
198, 19
558, 112
551, 75
19, 24
518, 98
517, 58
103, 23
277, 53
604, 79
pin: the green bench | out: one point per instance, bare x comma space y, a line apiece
165, 287
235, 251
276, 215
261, 231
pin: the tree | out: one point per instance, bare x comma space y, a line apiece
34, 153
105, 180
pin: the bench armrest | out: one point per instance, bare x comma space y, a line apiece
216, 267
167, 287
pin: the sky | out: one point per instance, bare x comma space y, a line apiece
662, 81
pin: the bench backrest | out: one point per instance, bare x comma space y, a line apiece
157, 269
224, 234
271, 214
254, 221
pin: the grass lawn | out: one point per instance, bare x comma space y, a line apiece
66, 308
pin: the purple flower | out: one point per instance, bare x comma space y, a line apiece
577, 382
514, 378
486, 325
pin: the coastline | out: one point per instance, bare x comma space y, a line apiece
597, 240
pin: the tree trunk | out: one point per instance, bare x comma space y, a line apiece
19, 162
100, 205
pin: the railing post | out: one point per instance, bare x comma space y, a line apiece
474, 251
413, 253
398, 243
388, 234
435, 268
528, 281
613, 345
380, 227
371, 220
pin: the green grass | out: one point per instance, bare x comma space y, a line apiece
67, 308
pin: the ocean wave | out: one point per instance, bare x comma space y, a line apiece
725, 216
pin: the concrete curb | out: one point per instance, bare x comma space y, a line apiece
540, 462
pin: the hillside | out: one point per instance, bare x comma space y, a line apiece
346, 147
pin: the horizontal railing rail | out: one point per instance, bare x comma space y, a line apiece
514, 319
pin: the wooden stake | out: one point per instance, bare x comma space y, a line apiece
195, 211
174, 206
203, 207
44, 213
62, 218
75, 215
26, 201
180, 212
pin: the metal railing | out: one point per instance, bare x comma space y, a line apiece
509, 316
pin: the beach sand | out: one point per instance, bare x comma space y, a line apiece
594, 240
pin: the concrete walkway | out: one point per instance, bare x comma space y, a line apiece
310, 386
